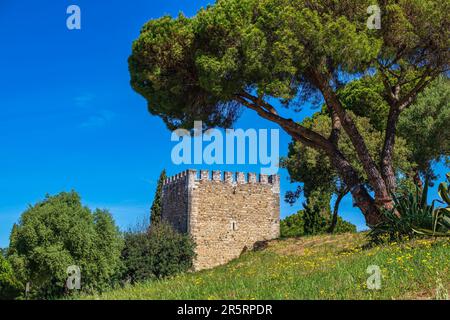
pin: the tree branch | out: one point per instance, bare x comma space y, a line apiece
260, 102
308, 136
387, 85
396, 107
349, 126
336, 127
409, 98
340, 195
316, 141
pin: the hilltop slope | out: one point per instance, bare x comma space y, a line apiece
320, 267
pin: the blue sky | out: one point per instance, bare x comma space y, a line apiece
69, 118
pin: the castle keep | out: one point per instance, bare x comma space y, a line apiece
224, 215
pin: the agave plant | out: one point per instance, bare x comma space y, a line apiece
411, 215
441, 215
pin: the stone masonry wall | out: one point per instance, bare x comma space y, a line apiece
175, 202
225, 215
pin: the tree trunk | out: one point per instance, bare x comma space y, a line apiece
387, 155
375, 177
334, 220
361, 196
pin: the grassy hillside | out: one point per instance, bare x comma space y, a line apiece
321, 267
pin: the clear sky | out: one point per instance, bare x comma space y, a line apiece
70, 120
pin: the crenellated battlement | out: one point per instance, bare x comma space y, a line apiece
177, 177
225, 177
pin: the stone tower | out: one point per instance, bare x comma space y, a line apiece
224, 215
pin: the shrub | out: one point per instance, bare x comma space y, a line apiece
293, 226
315, 222
158, 253
305, 222
9, 285
343, 226
57, 233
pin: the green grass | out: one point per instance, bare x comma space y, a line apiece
321, 267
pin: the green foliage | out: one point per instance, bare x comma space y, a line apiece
304, 223
316, 268
288, 52
192, 68
314, 219
155, 214
293, 226
411, 212
314, 170
10, 287
57, 233
425, 126
302, 159
314, 223
343, 226
444, 190
239, 53
427, 140
158, 253
412, 216
316, 213
419, 142
441, 215
364, 97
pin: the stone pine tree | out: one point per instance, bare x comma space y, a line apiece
272, 55
155, 213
